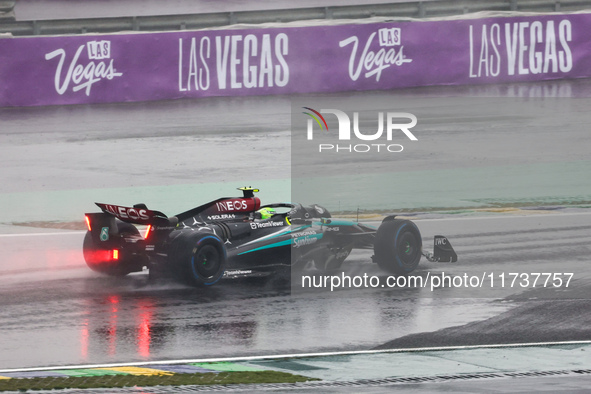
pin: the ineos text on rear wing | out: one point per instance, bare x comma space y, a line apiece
138, 214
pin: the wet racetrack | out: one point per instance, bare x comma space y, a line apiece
57, 312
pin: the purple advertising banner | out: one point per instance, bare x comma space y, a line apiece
172, 65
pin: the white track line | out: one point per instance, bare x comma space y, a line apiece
296, 355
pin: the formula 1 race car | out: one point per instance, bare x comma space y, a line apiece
236, 235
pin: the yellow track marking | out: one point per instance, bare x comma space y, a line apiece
138, 371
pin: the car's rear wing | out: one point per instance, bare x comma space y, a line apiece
138, 214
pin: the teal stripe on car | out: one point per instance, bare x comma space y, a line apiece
340, 223
275, 245
285, 242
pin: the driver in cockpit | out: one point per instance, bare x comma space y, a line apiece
264, 213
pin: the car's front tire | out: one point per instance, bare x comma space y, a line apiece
398, 246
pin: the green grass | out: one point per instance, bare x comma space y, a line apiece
112, 381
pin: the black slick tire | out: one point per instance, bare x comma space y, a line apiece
398, 247
199, 259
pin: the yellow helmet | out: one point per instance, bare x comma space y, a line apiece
266, 213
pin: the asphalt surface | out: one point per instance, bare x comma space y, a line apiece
568, 384
56, 312
56, 161
64, 9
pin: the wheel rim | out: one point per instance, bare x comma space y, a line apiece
408, 248
206, 262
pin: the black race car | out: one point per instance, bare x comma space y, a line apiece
231, 236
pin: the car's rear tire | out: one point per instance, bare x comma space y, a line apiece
199, 258
398, 246
100, 260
